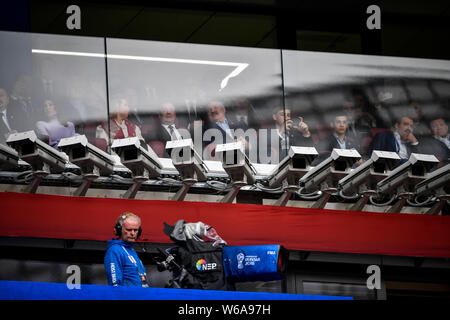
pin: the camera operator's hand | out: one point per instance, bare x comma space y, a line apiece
302, 127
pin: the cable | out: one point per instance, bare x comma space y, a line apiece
170, 181
115, 177
224, 186
268, 190
356, 196
428, 200
27, 177
394, 196
72, 176
309, 196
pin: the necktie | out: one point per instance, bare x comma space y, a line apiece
172, 133
5, 120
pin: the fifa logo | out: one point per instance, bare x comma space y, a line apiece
240, 259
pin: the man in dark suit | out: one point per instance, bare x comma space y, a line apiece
218, 120
168, 129
400, 139
439, 143
339, 139
243, 114
13, 118
219, 129
288, 132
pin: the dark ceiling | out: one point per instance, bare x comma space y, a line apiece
408, 28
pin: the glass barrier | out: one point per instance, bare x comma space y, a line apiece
369, 102
57, 86
54, 85
163, 91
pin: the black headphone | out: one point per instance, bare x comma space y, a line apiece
119, 223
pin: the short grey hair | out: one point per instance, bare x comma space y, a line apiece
124, 216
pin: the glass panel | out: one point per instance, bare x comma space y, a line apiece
378, 97
357, 291
195, 87
54, 85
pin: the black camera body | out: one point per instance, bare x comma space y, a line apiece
168, 262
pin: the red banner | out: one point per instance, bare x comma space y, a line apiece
63, 217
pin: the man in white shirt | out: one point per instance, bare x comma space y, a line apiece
439, 128
338, 139
220, 129
438, 144
168, 129
218, 120
168, 118
404, 135
400, 140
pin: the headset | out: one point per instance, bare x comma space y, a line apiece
119, 223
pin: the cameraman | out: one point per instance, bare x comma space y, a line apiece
122, 264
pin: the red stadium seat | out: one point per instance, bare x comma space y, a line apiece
365, 143
374, 131
323, 131
101, 144
158, 147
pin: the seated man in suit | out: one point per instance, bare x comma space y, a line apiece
167, 130
243, 114
339, 139
13, 118
219, 129
400, 139
439, 127
439, 143
218, 120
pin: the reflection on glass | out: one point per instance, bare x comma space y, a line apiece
119, 126
15, 117
53, 130
57, 95
369, 102
213, 94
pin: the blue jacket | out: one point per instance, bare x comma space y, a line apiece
122, 264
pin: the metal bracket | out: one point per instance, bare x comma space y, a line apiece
87, 180
231, 195
181, 194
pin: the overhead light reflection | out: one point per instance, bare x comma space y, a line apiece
238, 67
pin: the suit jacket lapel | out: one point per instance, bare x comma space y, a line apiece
165, 136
